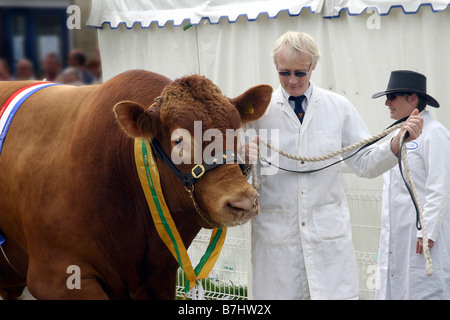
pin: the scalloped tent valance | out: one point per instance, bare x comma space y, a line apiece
145, 12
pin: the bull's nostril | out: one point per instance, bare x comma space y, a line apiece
243, 205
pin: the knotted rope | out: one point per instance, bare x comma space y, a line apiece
361, 143
404, 160
426, 249
337, 152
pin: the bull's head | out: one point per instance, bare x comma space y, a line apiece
196, 125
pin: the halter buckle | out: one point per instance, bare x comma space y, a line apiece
198, 171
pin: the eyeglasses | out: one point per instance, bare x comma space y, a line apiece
393, 96
299, 74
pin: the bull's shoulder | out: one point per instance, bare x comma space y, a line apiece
144, 75
140, 86
7, 88
145, 80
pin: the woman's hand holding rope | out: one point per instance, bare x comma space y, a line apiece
420, 245
413, 125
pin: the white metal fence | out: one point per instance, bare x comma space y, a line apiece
230, 279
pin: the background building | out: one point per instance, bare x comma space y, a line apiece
30, 29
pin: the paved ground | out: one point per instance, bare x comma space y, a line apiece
27, 295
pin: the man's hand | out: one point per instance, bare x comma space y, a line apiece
250, 150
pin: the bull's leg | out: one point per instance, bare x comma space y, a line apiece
12, 271
11, 293
9, 277
11, 283
91, 290
49, 280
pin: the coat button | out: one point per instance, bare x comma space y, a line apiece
303, 224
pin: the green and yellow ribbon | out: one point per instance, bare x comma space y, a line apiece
167, 230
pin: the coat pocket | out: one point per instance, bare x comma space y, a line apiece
328, 144
330, 221
271, 228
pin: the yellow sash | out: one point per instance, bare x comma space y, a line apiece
150, 182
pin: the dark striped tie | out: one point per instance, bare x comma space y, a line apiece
298, 107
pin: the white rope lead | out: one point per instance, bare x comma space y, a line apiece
335, 153
426, 249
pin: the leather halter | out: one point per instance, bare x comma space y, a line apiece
189, 179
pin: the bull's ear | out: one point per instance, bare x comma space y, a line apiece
136, 120
253, 103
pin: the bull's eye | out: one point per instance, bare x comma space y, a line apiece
178, 141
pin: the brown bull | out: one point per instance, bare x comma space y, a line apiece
70, 193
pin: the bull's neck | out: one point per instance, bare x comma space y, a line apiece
150, 180
180, 205
176, 197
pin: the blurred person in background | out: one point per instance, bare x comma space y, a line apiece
95, 66
77, 59
52, 67
5, 72
24, 70
71, 76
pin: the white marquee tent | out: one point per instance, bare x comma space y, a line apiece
230, 42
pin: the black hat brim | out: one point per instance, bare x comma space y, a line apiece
429, 99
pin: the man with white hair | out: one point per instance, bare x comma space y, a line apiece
301, 239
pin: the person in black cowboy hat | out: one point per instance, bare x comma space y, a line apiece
410, 84
401, 266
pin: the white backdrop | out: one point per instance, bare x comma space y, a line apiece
358, 51
230, 42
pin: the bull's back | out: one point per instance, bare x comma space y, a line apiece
63, 130
42, 126
58, 163
34, 148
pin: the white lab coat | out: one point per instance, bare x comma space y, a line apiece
401, 272
302, 234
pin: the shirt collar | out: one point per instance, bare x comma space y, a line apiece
307, 94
